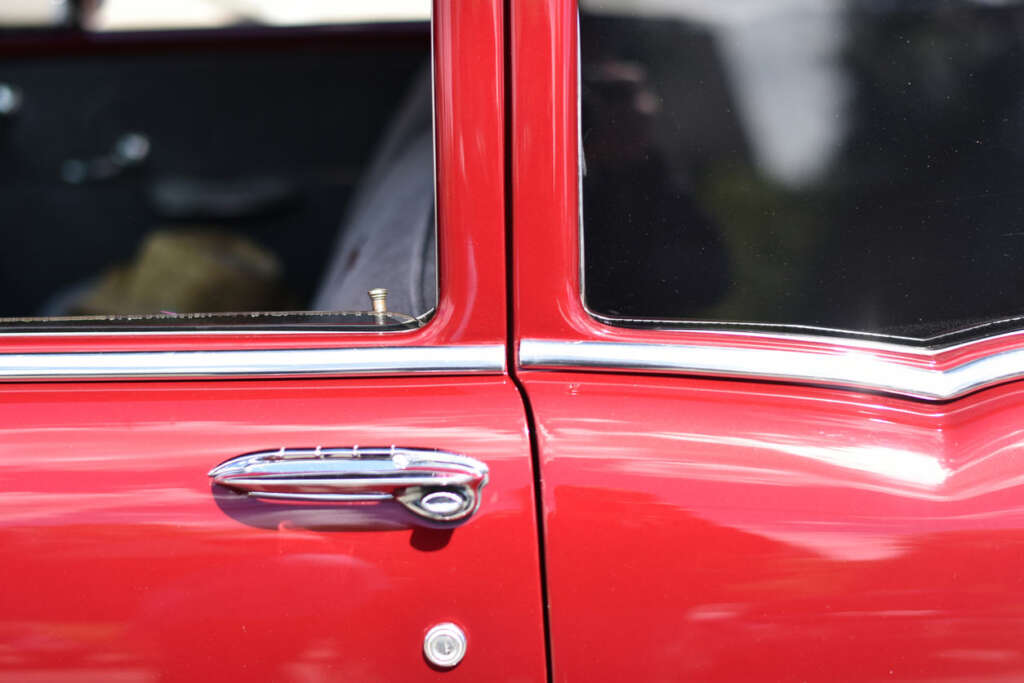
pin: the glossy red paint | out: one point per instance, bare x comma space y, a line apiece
729, 530
544, 170
734, 531
469, 139
121, 563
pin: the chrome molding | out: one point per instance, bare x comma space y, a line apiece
444, 646
432, 484
390, 360
859, 369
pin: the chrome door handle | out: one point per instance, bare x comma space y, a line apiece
435, 485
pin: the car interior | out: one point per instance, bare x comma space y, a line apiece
235, 173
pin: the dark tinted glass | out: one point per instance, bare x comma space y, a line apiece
851, 165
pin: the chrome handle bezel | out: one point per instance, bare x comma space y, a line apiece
414, 477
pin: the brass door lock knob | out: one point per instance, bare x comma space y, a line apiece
379, 299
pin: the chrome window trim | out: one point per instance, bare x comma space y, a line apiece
827, 342
786, 330
91, 335
359, 361
856, 368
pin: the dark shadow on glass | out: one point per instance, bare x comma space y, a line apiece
848, 167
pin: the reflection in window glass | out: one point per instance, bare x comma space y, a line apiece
842, 164
28, 14
134, 15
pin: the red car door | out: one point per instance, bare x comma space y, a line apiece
767, 502
124, 560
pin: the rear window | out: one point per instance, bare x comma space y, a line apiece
838, 166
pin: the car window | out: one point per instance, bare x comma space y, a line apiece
266, 178
835, 165
133, 15
16, 15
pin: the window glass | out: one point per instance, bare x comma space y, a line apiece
34, 14
847, 165
259, 180
135, 15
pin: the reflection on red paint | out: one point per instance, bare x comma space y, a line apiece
760, 532
122, 562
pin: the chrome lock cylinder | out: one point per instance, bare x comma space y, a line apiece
444, 645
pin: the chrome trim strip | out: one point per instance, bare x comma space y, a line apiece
390, 360
90, 335
850, 343
846, 343
840, 335
853, 368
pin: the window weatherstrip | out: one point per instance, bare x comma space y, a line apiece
389, 360
852, 368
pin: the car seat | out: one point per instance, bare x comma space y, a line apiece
388, 237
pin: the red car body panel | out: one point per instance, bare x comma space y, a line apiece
694, 528
733, 531
736, 530
121, 562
